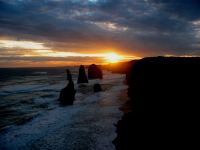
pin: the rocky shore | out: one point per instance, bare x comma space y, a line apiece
87, 123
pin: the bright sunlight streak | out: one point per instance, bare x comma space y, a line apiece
107, 57
22, 44
113, 58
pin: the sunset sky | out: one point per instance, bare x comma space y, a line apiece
72, 32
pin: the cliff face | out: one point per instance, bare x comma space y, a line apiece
164, 101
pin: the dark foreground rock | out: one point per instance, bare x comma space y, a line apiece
164, 101
67, 95
97, 87
82, 77
94, 72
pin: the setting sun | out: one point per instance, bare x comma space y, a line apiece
113, 57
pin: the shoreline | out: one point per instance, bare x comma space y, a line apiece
88, 124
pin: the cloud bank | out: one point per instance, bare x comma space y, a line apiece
134, 27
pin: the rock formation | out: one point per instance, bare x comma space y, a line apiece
69, 76
67, 95
82, 78
164, 105
97, 87
94, 72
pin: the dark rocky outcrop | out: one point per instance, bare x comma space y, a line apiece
97, 87
82, 77
120, 67
164, 103
94, 72
69, 76
67, 95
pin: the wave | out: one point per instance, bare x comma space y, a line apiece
16, 89
89, 121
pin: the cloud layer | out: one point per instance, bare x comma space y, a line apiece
135, 27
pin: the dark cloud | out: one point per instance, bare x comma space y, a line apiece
186, 9
44, 59
141, 27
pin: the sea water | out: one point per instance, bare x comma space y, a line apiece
31, 117
25, 92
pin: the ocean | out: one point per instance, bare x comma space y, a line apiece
30, 114
24, 92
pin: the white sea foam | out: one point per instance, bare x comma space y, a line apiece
40, 73
88, 124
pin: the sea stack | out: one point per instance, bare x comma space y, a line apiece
69, 76
67, 95
94, 72
97, 88
82, 78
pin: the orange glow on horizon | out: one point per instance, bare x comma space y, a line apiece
34, 54
113, 57
107, 57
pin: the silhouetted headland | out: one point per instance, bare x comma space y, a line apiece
120, 67
164, 104
67, 95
